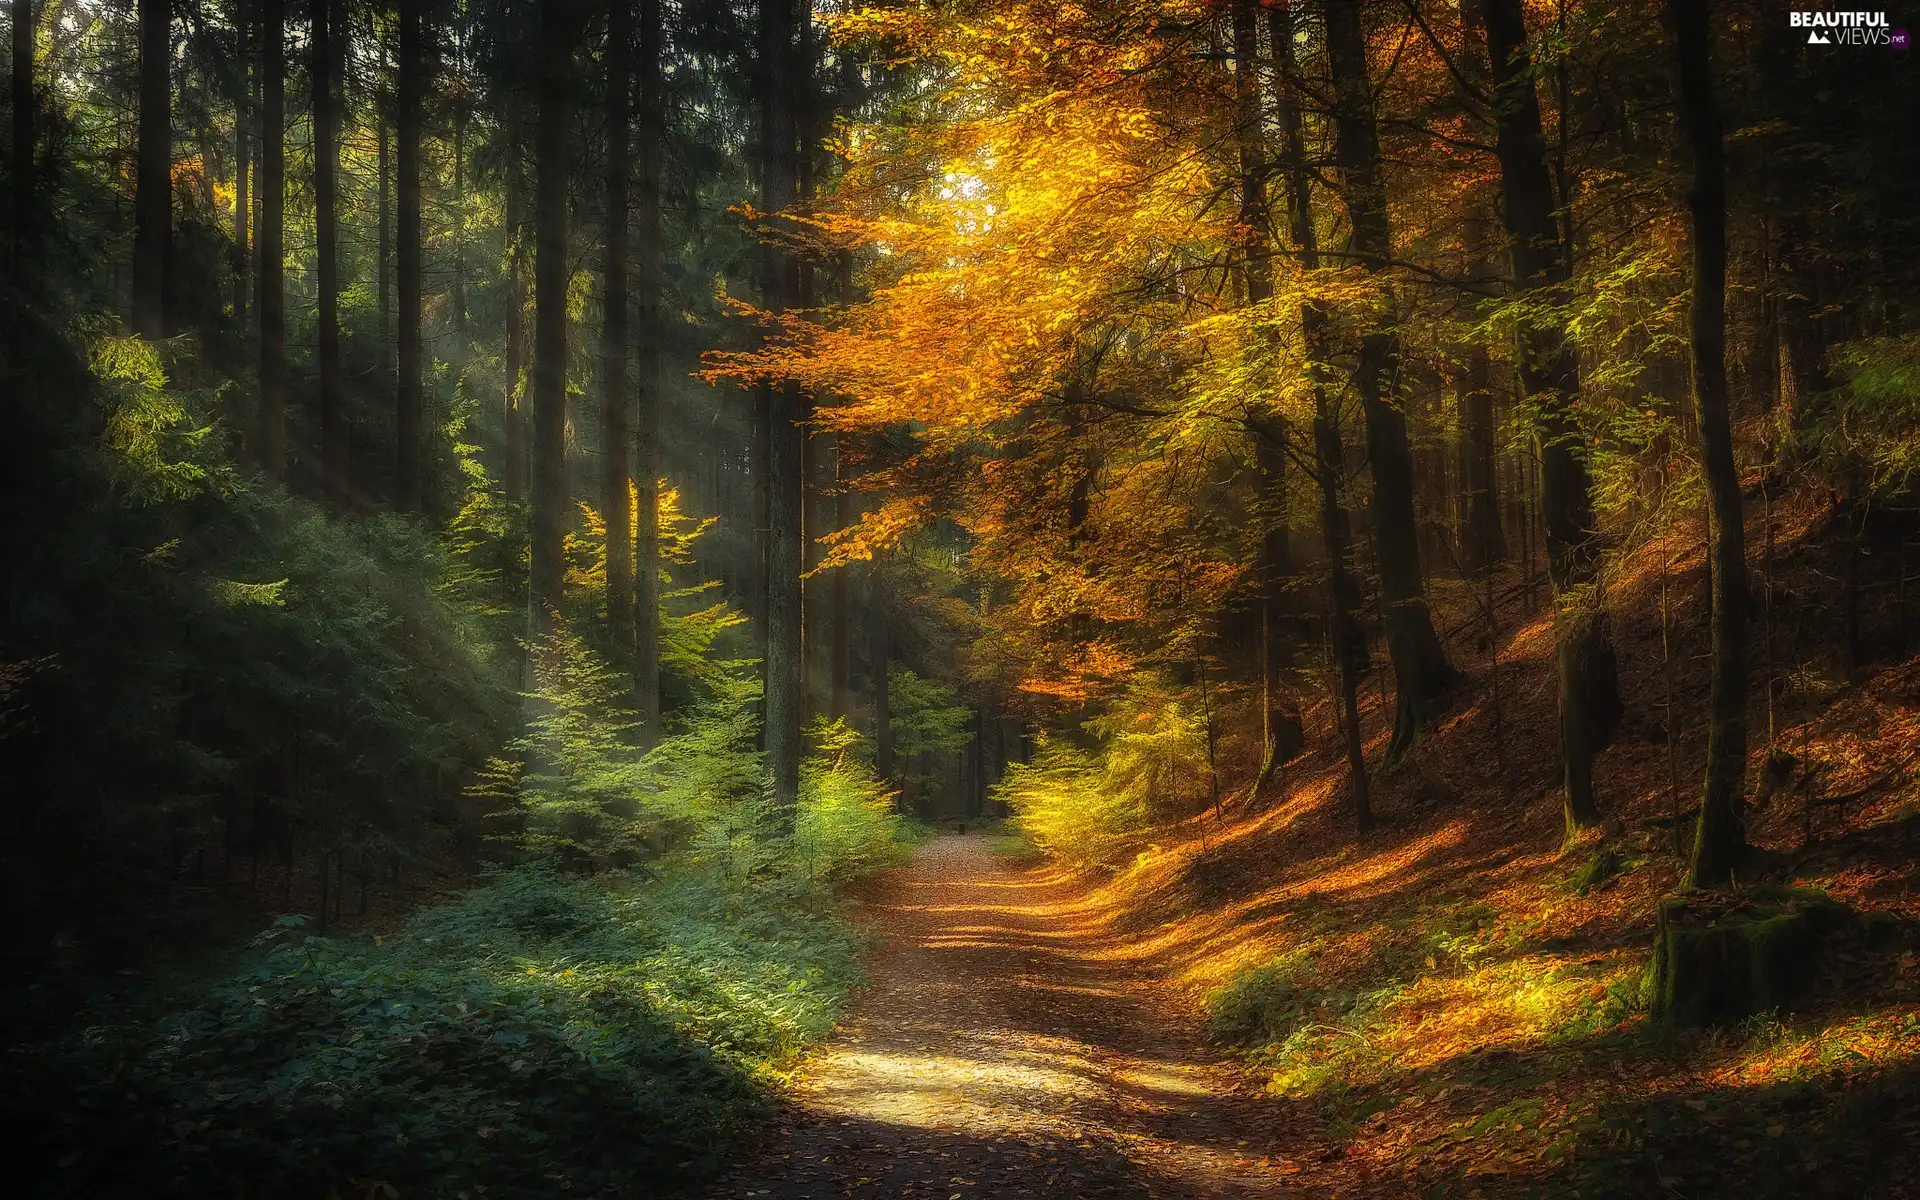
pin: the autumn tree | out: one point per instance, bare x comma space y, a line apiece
1482, 541
1345, 636
1281, 734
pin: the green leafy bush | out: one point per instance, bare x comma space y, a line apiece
1062, 802
847, 825
543, 1032
1867, 427
1259, 1006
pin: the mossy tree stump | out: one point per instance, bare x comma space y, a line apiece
1723, 956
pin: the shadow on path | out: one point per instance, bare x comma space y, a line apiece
1006, 1047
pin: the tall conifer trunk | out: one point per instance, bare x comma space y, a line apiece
842, 599
383, 201
558, 31
879, 656
242, 153
326, 165
270, 250
153, 171
615, 401
410, 401
25, 137
1421, 671
1719, 841
458, 299
513, 475
1549, 367
646, 423
785, 414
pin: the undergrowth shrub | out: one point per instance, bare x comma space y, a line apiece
928, 722
544, 1032
1154, 748
225, 670
1866, 428
1085, 806
1061, 802
848, 824
1258, 1006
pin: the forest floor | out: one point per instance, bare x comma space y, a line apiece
1009, 1045
1453, 1006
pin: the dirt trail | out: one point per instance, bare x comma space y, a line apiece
1006, 1048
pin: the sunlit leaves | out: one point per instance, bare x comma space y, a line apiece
159, 441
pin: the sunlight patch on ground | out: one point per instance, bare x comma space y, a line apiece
1776, 1052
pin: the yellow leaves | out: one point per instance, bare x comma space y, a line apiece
874, 532
235, 594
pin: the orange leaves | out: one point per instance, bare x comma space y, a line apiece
1094, 670
875, 532
1051, 316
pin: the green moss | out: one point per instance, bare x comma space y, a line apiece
1720, 959
1603, 866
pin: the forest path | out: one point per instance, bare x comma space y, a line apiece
1006, 1047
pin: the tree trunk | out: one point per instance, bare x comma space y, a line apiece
879, 652
842, 615
617, 507
760, 419
646, 426
785, 432
513, 416
1800, 338
812, 619
458, 299
410, 403
383, 248
153, 174
558, 32
1343, 594
1549, 366
326, 166
242, 150
1282, 735
1481, 545
1280, 719
1421, 671
1349, 642
1719, 842
270, 252
25, 139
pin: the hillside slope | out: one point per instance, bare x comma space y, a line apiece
1460, 1001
